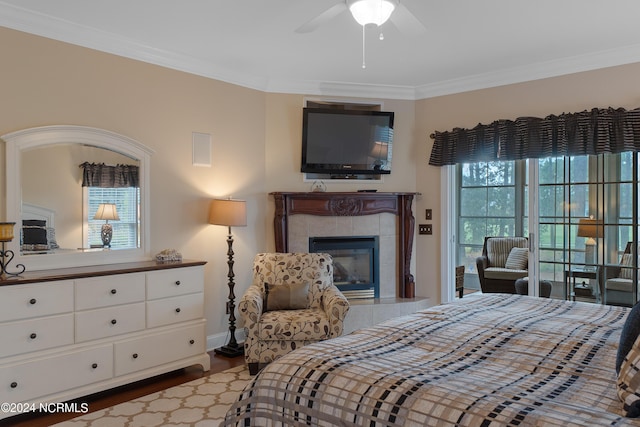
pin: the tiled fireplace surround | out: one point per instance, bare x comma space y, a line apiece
301, 227
299, 216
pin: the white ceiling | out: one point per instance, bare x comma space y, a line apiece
468, 44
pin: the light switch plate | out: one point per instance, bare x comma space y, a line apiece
425, 229
428, 214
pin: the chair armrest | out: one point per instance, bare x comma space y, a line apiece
482, 262
336, 306
250, 306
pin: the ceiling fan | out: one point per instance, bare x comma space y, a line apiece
367, 12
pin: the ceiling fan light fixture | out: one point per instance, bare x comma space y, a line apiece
371, 11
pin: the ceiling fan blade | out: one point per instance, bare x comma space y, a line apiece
406, 21
324, 17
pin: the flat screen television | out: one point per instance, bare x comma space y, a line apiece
346, 142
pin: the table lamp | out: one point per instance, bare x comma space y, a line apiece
6, 255
590, 229
380, 153
107, 211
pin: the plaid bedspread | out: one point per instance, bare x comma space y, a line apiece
488, 360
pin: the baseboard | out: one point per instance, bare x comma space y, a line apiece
218, 340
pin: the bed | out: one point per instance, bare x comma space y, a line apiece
486, 360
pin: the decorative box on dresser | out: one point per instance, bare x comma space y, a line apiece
68, 333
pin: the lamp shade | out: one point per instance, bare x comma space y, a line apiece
590, 228
228, 212
380, 150
6, 231
107, 211
371, 11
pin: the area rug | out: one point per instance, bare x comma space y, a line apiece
199, 403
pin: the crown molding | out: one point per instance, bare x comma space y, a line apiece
50, 27
542, 70
342, 89
70, 32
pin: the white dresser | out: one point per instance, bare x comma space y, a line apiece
72, 332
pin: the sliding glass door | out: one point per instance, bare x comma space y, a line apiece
580, 214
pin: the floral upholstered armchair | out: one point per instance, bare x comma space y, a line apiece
291, 302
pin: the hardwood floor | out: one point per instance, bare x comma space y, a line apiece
124, 393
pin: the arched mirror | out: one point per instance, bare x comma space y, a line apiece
78, 195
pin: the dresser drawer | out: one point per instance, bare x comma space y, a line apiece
166, 311
106, 291
154, 350
33, 300
36, 334
26, 381
173, 282
110, 321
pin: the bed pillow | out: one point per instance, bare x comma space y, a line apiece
34, 232
626, 273
518, 259
288, 296
628, 335
629, 381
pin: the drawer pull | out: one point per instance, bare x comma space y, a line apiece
114, 291
14, 384
32, 301
178, 310
192, 342
94, 366
33, 336
134, 355
114, 321
177, 282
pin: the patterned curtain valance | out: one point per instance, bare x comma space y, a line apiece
106, 176
589, 132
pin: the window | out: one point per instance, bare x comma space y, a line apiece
490, 203
126, 230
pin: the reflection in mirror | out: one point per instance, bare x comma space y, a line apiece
49, 189
67, 213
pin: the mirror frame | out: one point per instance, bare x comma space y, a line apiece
27, 139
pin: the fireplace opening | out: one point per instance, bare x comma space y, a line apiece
356, 269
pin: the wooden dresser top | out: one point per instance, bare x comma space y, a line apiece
93, 271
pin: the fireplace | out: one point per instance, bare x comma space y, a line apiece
356, 268
342, 208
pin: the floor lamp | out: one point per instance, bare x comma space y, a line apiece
231, 213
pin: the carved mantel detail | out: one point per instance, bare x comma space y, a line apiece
351, 204
347, 206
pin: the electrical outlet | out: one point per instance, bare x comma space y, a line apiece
428, 214
425, 229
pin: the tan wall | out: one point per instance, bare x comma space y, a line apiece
615, 87
46, 82
256, 144
284, 151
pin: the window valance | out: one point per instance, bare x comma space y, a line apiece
589, 132
107, 176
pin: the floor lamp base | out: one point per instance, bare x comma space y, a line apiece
230, 351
